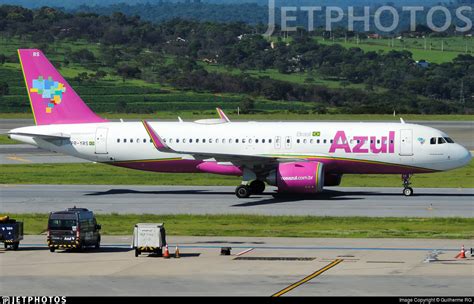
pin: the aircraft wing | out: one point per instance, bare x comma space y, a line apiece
262, 162
241, 159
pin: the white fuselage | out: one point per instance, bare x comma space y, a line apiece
391, 143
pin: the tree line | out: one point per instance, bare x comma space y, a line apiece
173, 52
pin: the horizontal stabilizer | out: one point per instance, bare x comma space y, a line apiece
42, 135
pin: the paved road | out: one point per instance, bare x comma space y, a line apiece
378, 202
386, 267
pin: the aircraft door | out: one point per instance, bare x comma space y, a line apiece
101, 141
277, 142
406, 142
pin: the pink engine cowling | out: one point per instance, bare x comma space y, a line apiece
298, 177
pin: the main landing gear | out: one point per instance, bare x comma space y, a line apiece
407, 190
255, 187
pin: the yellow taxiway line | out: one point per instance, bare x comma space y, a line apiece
308, 278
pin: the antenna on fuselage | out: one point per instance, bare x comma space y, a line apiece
179, 119
402, 121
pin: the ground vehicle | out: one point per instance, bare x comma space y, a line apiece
148, 237
73, 228
11, 232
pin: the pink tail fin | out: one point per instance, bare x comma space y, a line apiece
53, 101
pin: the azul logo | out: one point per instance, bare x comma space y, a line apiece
48, 89
363, 144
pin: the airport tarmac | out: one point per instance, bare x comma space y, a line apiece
334, 201
373, 267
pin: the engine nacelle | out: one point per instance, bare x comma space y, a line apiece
332, 179
298, 177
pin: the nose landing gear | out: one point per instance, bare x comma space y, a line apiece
407, 190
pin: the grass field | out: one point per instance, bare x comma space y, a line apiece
453, 46
97, 174
271, 115
276, 226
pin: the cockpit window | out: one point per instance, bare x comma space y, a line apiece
433, 140
449, 140
441, 140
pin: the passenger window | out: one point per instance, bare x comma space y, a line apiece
131, 140
324, 141
138, 140
223, 140
144, 140
203, 140
256, 141
118, 140
190, 140
263, 141
151, 141
270, 141
210, 140
164, 139
441, 140
184, 140
318, 141
230, 140
177, 140
197, 140
250, 140
243, 141
217, 140
304, 141
297, 141
170, 140
124, 140
236, 140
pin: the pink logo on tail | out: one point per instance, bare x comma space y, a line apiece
50, 90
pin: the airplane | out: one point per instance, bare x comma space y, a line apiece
296, 157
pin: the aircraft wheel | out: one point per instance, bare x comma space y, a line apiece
408, 191
242, 191
257, 187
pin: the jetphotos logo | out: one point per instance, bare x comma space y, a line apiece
363, 144
383, 19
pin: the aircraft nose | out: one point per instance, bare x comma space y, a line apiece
463, 155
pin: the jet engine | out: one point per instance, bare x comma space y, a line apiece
332, 179
298, 177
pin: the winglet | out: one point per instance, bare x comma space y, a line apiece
159, 144
222, 115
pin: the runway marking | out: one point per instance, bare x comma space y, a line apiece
308, 278
283, 247
19, 159
244, 252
